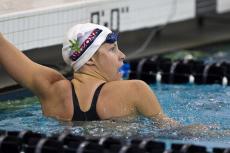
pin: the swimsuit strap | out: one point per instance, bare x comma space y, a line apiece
91, 114
78, 115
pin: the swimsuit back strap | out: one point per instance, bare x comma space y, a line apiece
78, 115
92, 113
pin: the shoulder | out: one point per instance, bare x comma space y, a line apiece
58, 96
61, 88
126, 84
119, 98
59, 92
131, 89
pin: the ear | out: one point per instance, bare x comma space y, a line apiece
90, 62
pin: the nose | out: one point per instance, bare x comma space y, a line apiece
122, 55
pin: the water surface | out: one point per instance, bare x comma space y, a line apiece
188, 104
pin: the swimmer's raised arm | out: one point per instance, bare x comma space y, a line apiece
26, 72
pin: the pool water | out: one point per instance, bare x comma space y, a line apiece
188, 104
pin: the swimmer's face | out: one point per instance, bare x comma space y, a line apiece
108, 60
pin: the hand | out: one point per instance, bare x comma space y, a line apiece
163, 121
196, 127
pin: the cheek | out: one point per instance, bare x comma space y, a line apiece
104, 64
108, 63
107, 60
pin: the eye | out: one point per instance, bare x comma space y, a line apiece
113, 48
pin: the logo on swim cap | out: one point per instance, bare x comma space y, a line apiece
75, 47
78, 50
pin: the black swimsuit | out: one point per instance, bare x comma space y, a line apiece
91, 114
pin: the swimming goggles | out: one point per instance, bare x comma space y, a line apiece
111, 38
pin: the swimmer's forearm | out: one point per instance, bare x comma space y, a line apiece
1, 40
163, 121
16, 64
1, 46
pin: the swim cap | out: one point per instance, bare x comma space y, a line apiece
82, 41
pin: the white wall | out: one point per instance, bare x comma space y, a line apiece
149, 13
43, 27
223, 6
46, 27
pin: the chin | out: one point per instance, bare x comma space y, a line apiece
120, 76
116, 77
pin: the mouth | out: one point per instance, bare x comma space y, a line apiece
124, 70
121, 70
120, 73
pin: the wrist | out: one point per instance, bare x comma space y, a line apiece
1, 38
1, 35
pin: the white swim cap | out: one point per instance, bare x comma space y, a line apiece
81, 42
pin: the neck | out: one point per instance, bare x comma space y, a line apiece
94, 75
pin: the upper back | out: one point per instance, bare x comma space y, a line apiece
116, 99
